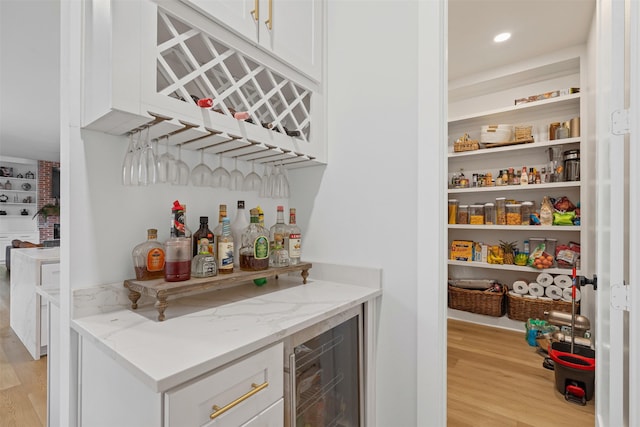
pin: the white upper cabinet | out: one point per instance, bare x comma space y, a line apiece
289, 29
147, 63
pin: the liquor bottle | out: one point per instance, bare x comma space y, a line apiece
203, 233
204, 263
279, 254
293, 239
148, 257
239, 224
225, 248
222, 212
254, 253
179, 220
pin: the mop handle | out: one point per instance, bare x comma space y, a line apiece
573, 307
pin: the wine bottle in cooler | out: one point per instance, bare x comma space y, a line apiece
293, 240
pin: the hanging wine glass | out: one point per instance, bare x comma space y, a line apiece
201, 173
166, 164
135, 163
182, 170
127, 163
265, 190
236, 177
220, 177
147, 172
282, 183
252, 181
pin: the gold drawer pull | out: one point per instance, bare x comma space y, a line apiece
217, 411
256, 10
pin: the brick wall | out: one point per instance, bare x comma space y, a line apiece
44, 197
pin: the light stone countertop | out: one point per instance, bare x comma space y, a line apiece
205, 331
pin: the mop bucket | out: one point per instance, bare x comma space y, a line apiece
575, 375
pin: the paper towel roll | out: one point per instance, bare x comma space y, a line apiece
515, 294
545, 279
529, 296
566, 294
562, 281
521, 287
536, 289
545, 299
553, 292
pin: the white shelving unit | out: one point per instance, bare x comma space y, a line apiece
16, 214
488, 102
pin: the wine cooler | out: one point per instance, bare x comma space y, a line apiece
323, 374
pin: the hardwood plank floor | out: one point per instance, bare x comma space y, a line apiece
23, 381
496, 379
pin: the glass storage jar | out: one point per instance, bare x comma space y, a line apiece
476, 214
489, 214
501, 213
526, 210
463, 214
453, 211
514, 215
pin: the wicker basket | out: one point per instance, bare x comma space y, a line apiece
476, 301
523, 309
522, 133
464, 143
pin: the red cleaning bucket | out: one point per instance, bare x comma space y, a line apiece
575, 375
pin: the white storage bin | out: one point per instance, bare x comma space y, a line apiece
492, 134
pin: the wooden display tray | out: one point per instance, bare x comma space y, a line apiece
161, 290
503, 144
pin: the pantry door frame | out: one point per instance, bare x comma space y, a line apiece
617, 207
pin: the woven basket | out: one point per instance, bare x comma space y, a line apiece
522, 133
476, 301
523, 309
468, 145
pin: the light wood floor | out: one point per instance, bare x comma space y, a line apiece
496, 379
23, 381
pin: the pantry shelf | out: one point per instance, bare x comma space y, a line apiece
510, 267
518, 188
509, 148
515, 227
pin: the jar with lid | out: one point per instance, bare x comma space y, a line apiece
526, 209
476, 214
514, 215
562, 131
552, 130
501, 213
463, 214
489, 213
453, 211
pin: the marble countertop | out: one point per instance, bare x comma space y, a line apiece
39, 254
205, 331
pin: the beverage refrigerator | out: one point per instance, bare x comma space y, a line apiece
323, 374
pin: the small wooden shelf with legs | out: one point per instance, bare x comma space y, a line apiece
161, 290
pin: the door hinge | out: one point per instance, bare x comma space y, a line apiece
620, 122
620, 297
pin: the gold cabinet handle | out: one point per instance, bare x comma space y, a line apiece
217, 411
256, 10
269, 21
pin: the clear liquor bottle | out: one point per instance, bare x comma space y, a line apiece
254, 252
239, 224
225, 248
222, 212
204, 263
279, 254
203, 233
293, 239
149, 257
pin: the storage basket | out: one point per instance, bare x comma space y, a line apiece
477, 301
464, 143
493, 134
523, 309
522, 133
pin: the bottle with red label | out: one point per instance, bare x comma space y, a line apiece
149, 257
293, 239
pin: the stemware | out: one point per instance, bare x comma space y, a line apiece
220, 177
265, 189
147, 171
236, 176
252, 181
182, 170
166, 165
281, 183
127, 162
201, 173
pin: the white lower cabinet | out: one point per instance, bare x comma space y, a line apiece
231, 396
270, 417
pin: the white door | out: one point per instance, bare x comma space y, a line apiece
617, 212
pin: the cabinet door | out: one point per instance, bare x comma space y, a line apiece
294, 34
240, 16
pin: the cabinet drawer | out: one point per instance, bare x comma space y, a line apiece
192, 404
50, 275
270, 417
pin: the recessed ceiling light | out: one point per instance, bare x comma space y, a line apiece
502, 37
